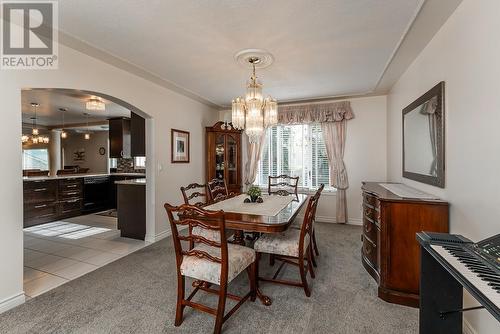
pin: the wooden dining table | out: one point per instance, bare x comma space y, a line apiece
240, 221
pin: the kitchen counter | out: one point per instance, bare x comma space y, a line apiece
137, 182
72, 176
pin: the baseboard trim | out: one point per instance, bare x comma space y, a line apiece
332, 220
467, 327
12, 302
158, 237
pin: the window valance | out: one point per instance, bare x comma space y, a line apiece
315, 113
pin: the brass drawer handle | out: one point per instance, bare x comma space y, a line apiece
368, 227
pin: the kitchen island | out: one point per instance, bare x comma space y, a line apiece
51, 198
132, 208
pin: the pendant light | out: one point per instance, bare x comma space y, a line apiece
34, 128
64, 134
87, 134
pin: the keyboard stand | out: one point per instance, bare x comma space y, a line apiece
439, 293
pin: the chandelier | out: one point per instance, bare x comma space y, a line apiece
95, 104
253, 113
35, 137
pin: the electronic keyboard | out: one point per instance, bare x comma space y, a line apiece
450, 263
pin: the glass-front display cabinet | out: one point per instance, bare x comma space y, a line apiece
224, 155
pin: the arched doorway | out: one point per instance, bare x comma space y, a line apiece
53, 111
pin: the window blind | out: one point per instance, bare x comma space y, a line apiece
295, 150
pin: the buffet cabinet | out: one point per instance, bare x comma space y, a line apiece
390, 251
224, 155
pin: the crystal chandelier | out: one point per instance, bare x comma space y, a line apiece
35, 137
95, 104
253, 113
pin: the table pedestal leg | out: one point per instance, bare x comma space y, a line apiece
239, 238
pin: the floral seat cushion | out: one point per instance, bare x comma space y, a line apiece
239, 258
284, 243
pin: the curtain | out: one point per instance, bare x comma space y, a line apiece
315, 113
334, 135
253, 156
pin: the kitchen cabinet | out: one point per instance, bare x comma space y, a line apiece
119, 138
137, 135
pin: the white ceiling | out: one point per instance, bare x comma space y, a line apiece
322, 48
51, 100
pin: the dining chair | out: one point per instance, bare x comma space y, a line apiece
214, 262
283, 185
195, 194
292, 247
217, 190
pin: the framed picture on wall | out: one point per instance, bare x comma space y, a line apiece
180, 146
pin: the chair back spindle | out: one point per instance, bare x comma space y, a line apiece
283, 185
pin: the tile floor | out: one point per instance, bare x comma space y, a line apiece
57, 252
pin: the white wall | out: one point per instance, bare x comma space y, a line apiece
465, 54
365, 155
76, 70
93, 159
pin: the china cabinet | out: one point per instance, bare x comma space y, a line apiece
224, 155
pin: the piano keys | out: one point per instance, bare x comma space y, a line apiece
450, 263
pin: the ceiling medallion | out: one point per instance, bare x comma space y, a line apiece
253, 112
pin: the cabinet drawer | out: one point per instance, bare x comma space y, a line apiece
34, 184
371, 201
370, 231
40, 211
70, 194
70, 184
43, 193
70, 205
370, 252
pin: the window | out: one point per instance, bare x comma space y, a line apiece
296, 150
140, 162
36, 159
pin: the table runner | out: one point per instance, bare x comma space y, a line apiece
271, 206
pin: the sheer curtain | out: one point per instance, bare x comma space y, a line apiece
254, 152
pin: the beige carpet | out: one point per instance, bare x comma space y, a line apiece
137, 293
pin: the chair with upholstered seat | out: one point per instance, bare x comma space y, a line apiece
214, 262
292, 247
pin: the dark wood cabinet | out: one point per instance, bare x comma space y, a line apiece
119, 138
137, 135
224, 155
49, 200
390, 252
132, 210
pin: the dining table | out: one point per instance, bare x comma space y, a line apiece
273, 215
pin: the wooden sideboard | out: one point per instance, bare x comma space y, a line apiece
390, 251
